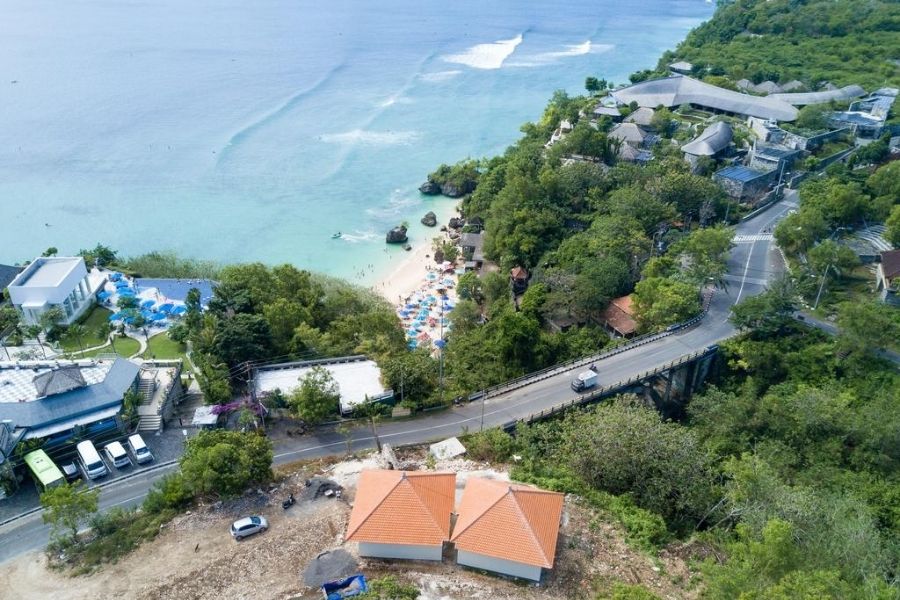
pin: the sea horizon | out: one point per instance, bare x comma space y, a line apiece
234, 133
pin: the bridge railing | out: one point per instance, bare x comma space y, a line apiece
530, 378
608, 390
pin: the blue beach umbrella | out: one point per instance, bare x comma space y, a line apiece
147, 303
129, 320
157, 317
126, 292
440, 344
165, 307
179, 310
103, 295
115, 317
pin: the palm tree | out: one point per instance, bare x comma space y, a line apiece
107, 331
77, 331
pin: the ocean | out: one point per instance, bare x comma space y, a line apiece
253, 131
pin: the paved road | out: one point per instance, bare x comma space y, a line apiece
753, 260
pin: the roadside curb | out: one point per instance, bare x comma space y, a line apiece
100, 486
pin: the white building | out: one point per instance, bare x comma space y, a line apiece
50, 282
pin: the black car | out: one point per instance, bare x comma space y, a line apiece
70, 470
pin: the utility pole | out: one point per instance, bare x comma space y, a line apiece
483, 398
821, 286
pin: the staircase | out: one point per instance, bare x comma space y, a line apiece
145, 387
150, 423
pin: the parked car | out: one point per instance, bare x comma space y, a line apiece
248, 526
116, 454
91, 462
70, 471
140, 450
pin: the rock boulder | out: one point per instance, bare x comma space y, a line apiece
430, 219
430, 188
397, 235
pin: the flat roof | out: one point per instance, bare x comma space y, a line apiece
740, 173
47, 271
177, 289
356, 378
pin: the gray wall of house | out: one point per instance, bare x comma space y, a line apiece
403, 551
498, 565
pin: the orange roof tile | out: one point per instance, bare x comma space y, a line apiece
508, 521
399, 507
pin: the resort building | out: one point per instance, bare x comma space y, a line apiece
607, 111
768, 87
52, 282
7, 274
772, 157
837, 95
472, 246
57, 399
887, 277
399, 514
713, 142
681, 67
507, 528
745, 184
867, 117
680, 90
358, 379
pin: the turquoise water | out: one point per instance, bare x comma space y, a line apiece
236, 131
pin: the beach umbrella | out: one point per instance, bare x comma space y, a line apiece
431, 276
129, 320
460, 271
165, 307
440, 344
147, 303
103, 295
412, 344
179, 310
126, 292
423, 337
115, 317
115, 276
157, 317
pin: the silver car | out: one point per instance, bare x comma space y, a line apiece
248, 526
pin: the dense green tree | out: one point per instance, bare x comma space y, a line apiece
213, 378
66, 508
867, 326
659, 302
317, 397
829, 254
225, 463
704, 254
469, 287
627, 448
243, 338
892, 232
769, 313
99, 255
413, 376
798, 232
813, 117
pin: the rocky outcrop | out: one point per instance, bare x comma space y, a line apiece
430, 188
456, 191
430, 219
456, 222
397, 235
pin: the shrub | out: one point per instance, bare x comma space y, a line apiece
169, 493
491, 445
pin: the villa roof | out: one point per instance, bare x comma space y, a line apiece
47, 271
608, 111
713, 140
630, 133
678, 90
508, 521
518, 273
619, 315
890, 263
44, 403
804, 98
642, 116
740, 173
399, 507
681, 65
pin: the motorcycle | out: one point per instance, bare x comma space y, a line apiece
285, 504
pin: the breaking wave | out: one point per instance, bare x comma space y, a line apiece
371, 138
486, 56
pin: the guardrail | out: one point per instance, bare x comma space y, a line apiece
557, 369
608, 389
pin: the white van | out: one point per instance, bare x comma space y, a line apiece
93, 465
116, 454
139, 449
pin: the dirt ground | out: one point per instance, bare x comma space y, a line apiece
195, 557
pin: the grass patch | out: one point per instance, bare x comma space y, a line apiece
95, 318
161, 346
125, 347
856, 286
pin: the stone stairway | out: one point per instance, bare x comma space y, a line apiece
150, 423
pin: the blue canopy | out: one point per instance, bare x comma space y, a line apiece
115, 317
103, 295
122, 283
115, 276
157, 317
147, 314
440, 344
147, 303
126, 292
179, 310
165, 307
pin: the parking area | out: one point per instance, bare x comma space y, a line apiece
165, 447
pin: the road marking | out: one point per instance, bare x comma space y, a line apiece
746, 268
745, 239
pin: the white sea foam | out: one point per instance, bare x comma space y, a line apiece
371, 138
395, 99
439, 76
359, 235
486, 56
545, 58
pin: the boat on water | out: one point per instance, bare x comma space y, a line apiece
336, 235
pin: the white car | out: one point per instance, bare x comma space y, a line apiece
140, 450
116, 454
248, 526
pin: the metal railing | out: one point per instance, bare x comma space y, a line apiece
610, 389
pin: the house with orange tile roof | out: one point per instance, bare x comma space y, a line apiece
507, 528
400, 514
